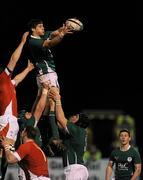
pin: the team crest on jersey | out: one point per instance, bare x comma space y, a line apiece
129, 159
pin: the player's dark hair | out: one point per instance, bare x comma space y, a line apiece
21, 119
33, 23
83, 120
125, 130
31, 132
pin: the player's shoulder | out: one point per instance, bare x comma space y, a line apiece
134, 149
73, 128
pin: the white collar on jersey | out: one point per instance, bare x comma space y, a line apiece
35, 37
126, 149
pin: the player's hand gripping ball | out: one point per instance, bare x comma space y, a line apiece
74, 24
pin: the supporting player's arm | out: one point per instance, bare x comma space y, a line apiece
60, 116
10, 157
41, 104
17, 53
9, 154
18, 78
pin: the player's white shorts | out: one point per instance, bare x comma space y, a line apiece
21, 176
50, 78
76, 172
9, 126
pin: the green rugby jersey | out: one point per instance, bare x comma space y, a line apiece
40, 56
75, 141
124, 162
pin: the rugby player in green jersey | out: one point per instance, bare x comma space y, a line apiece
39, 48
126, 159
75, 140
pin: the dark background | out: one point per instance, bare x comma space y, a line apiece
98, 68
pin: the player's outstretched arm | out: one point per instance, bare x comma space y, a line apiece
57, 37
64, 29
16, 54
18, 78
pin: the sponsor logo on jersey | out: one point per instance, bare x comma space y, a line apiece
129, 159
122, 166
